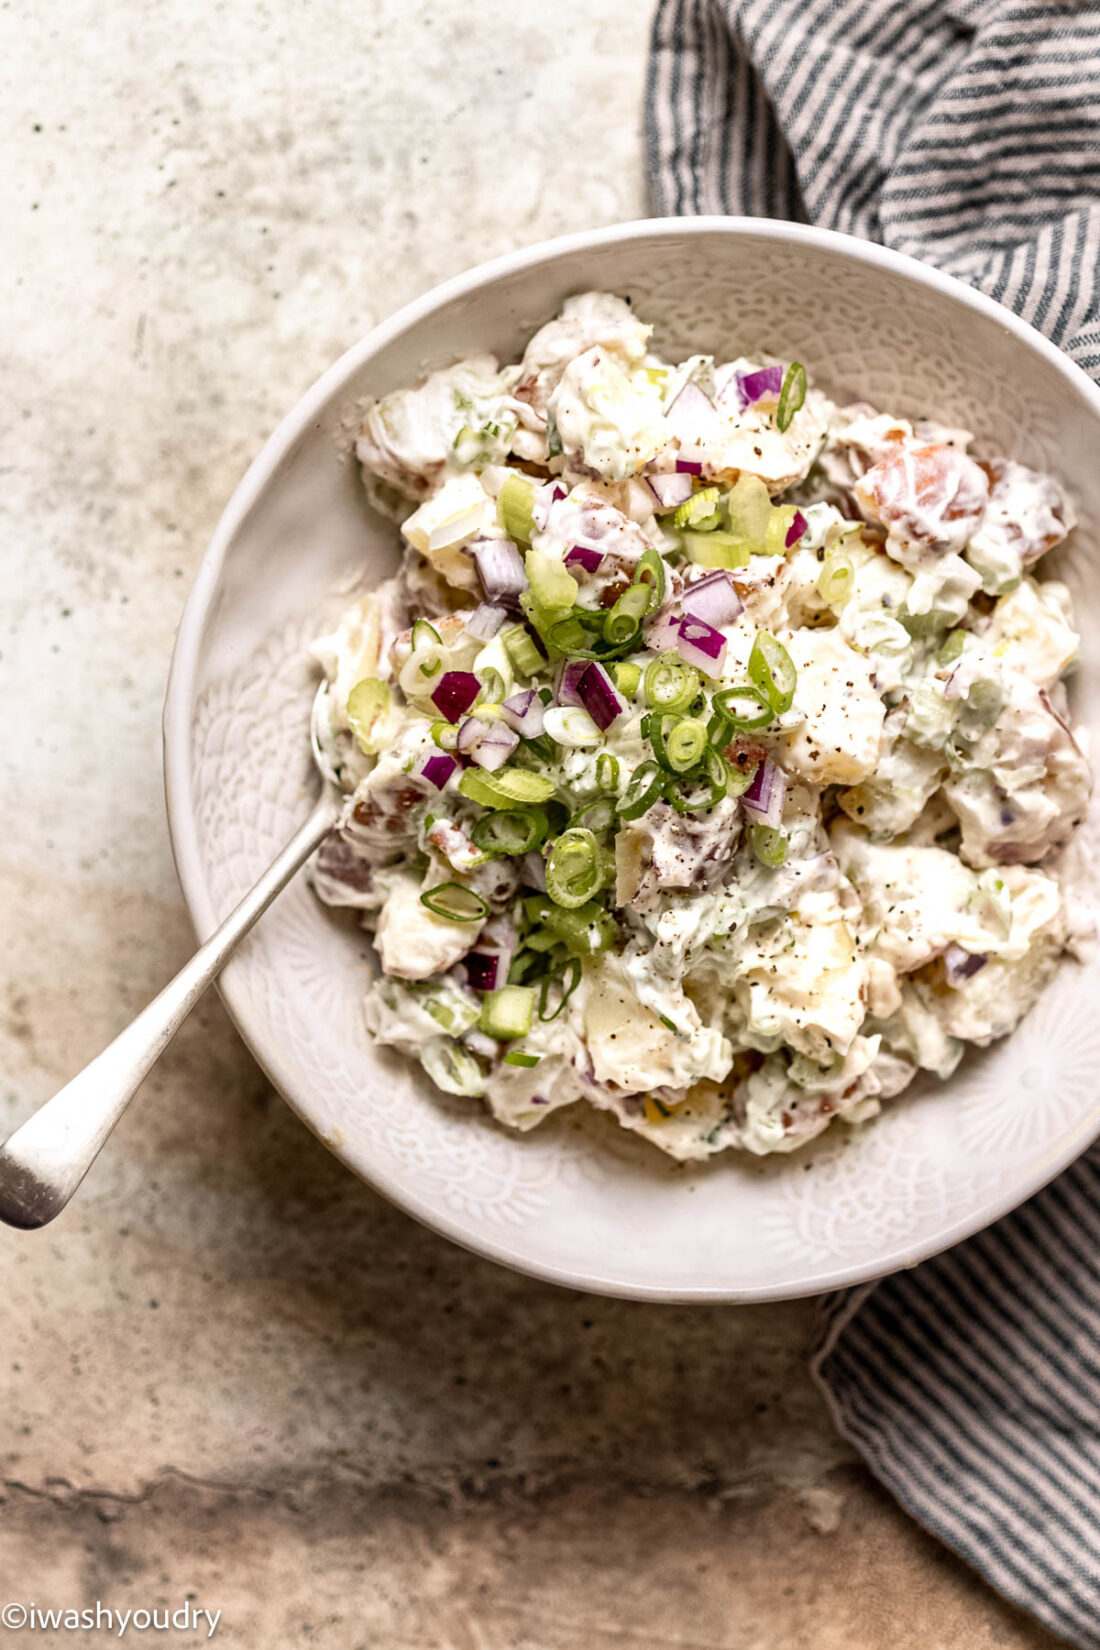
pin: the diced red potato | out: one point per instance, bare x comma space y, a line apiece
1027, 513
929, 497
407, 437
1028, 788
589, 319
412, 941
428, 592
748, 442
664, 850
454, 845
839, 739
384, 816
342, 875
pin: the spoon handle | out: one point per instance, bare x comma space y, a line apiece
44, 1161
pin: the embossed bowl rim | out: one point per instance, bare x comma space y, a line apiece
179, 711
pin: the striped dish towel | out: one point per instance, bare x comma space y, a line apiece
968, 135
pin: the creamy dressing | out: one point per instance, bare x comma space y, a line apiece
715, 991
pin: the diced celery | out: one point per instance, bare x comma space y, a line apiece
507, 1014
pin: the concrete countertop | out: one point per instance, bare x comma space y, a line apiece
231, 1373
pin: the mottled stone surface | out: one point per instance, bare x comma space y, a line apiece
231, 1371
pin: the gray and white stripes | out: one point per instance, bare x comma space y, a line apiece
971, 1385
966, 133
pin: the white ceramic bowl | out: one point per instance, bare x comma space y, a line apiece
578, 1201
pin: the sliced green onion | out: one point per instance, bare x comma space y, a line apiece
455, 902
669, 683
685, 744
568, 981
553, 437
626, 678
598, 815
772, 669
791, 397
651, 571
728, 550
693, 793
368, 702
552, 585
541, 940
516, 1057
717, 767
643, 790
492, 687
574, 870
445, 735
510, 830
738, 779
744, 708
700, 511
769, 844
719, 729
588, 929
425, 634
506, 787
625, 618
834, 582
951, 647
516, 507
607, 770
507, 1014
574, 636
529, 963
521, 650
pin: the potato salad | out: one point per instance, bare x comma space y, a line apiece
708, 760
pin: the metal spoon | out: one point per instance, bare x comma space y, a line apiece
44, 1161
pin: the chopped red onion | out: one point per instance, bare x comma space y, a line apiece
729, 389
569, 682
960, 965
700, 644
524, 711
482, 970
485, 621
690, 412
599, 697
714, 599
582, 556
688, 466
455, 692
663, 631
436, 767
763, 801
500, 569
469, 732
755, 385
490, 743
671, 490
796, 529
